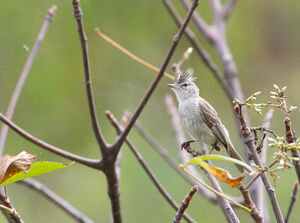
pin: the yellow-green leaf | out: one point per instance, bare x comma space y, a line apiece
36, 169
218, 173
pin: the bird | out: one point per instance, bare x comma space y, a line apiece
199, 118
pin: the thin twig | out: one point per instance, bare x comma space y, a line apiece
258, 187
131, 55
199, 49
151, 175
249, 141
51, 148
24, 74
13, 213
57, 200
227, 9
292, 202
88, 81
255, 214
158, 77
184, 205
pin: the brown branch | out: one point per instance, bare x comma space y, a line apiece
24, 74
292, 202
51, 148
184, 205
199, 49
249, 202
158, 77
88, 82
291, 138
140, 159
57, 200
14, 213
249, 141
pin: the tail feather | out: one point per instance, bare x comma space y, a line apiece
234, 154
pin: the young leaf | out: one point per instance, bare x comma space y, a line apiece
36, 169
228, 159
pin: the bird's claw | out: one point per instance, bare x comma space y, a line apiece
186, 144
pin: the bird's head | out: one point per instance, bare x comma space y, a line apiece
184, 86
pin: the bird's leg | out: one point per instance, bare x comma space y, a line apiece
186, 145
214, 146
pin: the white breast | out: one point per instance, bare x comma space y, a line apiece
190, 116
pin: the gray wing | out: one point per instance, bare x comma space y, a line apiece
212, 120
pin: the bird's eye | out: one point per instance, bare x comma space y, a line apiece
185, 84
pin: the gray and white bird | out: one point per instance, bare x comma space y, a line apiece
199, 118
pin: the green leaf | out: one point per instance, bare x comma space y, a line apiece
38, 168
220, 157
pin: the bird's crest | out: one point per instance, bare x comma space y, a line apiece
184, 77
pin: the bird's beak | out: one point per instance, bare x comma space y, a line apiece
172, 86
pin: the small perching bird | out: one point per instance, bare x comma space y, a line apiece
199, 118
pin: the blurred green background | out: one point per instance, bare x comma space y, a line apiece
265, 44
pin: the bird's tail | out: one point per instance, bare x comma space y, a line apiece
234, 154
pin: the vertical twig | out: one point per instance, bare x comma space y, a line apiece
24, 74
57, 200
88, 81
149, 92
292, 202
184, 205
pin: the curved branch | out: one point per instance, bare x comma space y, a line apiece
51, 148
88, 81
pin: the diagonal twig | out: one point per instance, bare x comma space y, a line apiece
151, 175
51, 148
88, 81
24, 74
57, 200
292, 202
184, 205
158, 77
199, 49
227, 9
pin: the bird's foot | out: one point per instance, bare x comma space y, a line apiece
214, 147
186, 145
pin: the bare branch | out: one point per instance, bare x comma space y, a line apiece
57, 200
88, 82
227, 9
51, 148
292, 202
199, 49
254, 211
184, 205
257, 189
151, 175
149, 92
249, 141
200, 23
13, 213
24, 74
